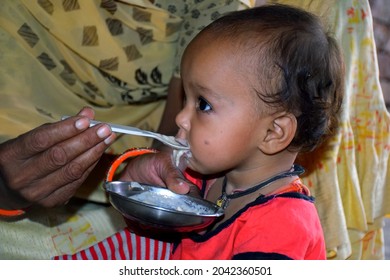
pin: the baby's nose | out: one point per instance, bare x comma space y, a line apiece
182, 120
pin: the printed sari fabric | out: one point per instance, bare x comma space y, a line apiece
115, 56
350, 177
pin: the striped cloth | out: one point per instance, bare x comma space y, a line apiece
123, 245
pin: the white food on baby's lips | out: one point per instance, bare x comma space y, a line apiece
180, 158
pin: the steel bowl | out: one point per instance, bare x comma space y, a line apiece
161, 208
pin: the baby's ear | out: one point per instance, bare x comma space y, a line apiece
280, 132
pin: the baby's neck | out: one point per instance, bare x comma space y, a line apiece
242, 179
234, 201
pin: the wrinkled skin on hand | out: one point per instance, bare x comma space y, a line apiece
46, 165
158, 169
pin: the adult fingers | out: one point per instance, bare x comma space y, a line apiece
157, 169
60, 195
48, 135
72, 172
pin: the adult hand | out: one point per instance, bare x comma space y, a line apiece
46, 165
158, 169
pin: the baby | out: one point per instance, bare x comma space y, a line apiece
261, 86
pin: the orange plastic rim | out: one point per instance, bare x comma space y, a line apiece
128, 154
11, 213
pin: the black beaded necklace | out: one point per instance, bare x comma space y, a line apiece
223, 200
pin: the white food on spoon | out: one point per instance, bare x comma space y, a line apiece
172, 203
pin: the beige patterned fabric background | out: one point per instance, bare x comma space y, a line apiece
350, 177
118, 57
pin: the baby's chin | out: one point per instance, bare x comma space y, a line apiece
184, 159
200, 168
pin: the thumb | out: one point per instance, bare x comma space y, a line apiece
175, 180
183, 186
179, 185
87, 112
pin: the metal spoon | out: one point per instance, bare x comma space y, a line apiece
167, 140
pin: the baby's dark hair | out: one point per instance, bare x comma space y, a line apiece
299, 67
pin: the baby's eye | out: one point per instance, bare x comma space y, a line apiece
203, 105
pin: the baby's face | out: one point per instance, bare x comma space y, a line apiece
219, 120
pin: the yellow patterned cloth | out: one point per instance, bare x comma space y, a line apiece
116, 56
351, 180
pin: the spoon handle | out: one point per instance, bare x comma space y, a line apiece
119, 128
123, 129
167, 140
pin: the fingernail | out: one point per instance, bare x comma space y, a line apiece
81, 124
109, 140
104, 131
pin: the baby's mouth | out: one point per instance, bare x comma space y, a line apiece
182, 142
180, 157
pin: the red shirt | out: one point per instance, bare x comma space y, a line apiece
280, 226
